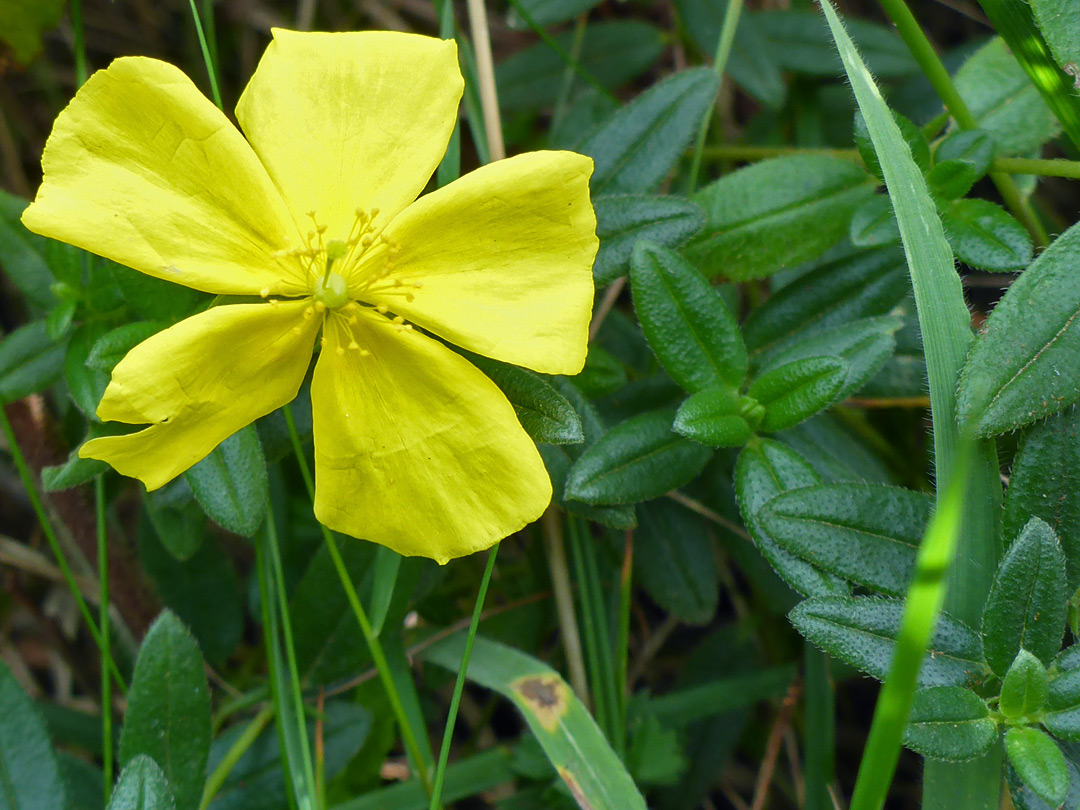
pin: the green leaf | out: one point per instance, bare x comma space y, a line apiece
231, 485
1023, 368
168, 715
561, 724
986, 237
859, 285
257, 781
73, 472
949, 723
673, 558
912, 135
602, 374
874, 224
178, 520
85, 384
624, 219
22, 22
959, 161
1039, 763
1065, 679
800, 41
1045, 482
30, 361
29, 776
862, 630
1059, 21
612, 52
795, 391
142, 786
688, 326
1027, 603
718, 417
546, 415
635, 461
111, 347
21, 254
866, 533
764, 469
1004, 102
549, 12
865, 345
558, 463
1025, 686
154, 299
201, 587
640, 143
775, 214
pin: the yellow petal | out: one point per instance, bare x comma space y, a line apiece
414, 447
199, 382
500, 262
141, 168
351, 120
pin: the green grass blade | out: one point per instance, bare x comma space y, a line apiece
946, 331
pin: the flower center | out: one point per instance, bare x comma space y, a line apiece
332, 289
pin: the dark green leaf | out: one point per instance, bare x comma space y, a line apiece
960, 159
1059, 22
624, 219
75, 470
603, 374
154, 299
635, 461
1039, 763
862, 631
800, 41
558, 462
20, 257
1045, 483
111, 347
913, 137
168, 715
178, 520
613, 52
874, 224
85, 786
21, 27
867, 533
231, 485
1026, 606
85, 384
795, 391
142, 786
860, 285
545, 414
549, 12
673, 558
30, 361
688, 326
718, 417
766, 468
1004, 101
949, 723
775, 214
984, 236
1025, 368
29, 776
1025, 799
636, 148
1025, 686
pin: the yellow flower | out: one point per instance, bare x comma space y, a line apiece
314, 208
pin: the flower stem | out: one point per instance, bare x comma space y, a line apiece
622, 636
50, 536
81, 71
564, 601
485, 70
103, 619
459, 683
408, 735
723, 50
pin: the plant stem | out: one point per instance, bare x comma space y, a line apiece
819, 731
593, 649
622, 636
81, 71
211, 70
564, 601
408, 735
485, 70
932, 67
106, 652
216, 779
50, 536
459, 683
563, 98
723, 50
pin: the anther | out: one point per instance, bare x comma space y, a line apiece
309, 312
399, 320
354, 345
320, 306
365, 353
381, 309
265, 292
340, 351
